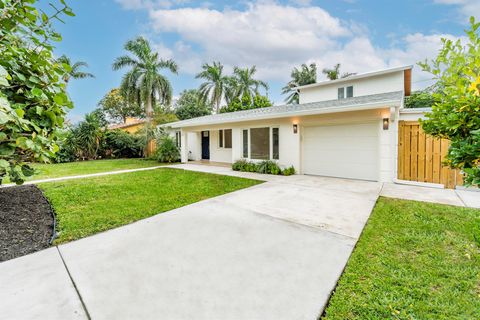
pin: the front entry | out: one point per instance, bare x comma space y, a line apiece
205, 145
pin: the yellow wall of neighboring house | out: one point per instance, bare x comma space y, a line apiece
133, 128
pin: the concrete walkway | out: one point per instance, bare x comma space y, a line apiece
272, 251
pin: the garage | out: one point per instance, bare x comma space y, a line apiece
345, 151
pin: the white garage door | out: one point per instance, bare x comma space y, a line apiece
346, 151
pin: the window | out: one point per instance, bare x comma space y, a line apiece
225, 138
245, 143
260, 143
178, 139
350, 92
275, 141
346, 92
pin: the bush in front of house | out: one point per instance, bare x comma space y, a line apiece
264, 167
167, 150
121, 144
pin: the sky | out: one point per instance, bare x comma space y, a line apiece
275, 36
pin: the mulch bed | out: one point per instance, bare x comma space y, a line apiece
26, 221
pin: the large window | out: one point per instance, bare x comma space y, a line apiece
260, 143
225, 138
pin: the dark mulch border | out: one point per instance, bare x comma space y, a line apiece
27, 221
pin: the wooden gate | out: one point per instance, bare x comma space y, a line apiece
420, 157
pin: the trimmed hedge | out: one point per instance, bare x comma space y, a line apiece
265, 167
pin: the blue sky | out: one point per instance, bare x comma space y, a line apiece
362, 35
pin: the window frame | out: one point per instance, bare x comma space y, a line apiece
222, 139
178, 139
344, 92
249, 147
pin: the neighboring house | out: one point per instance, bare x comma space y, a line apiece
131, 125
345, 128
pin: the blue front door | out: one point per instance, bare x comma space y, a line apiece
206, 145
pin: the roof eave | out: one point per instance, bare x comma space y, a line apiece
366, 106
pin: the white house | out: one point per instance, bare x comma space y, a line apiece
342, 128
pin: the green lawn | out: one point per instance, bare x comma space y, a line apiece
55, 170
414, 260
87, 206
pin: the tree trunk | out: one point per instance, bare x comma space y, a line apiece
149, 113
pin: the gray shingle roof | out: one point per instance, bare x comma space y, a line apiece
294, 109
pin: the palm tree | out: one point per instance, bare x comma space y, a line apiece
300, 77
213, 90
245, 84
74, 72
334, 73
143, 83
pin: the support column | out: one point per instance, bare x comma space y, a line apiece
184, 146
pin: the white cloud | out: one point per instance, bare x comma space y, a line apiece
277, 37
466, 7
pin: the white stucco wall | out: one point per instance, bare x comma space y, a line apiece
361, 87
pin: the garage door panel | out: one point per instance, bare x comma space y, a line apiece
347, 151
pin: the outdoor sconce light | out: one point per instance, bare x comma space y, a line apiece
295, 128
385, 123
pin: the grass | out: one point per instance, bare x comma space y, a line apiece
55, 170
414, 260
86, 206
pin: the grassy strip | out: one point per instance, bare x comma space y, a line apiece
414, 260
87, 206
56, 170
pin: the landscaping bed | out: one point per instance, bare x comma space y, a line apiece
26, 221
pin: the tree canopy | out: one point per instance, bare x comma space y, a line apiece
118, 108
33, 99
307, 74
75, 69
247, 103
190, 104
213, 89
455, 114
334, 73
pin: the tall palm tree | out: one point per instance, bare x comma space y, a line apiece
214, 88
334, 73
300, 77
75, 72
143, 83
246, 84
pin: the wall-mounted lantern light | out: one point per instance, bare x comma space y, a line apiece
295, 128
385, 123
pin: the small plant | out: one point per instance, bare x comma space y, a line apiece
239, 165
288, 171
167, 150
269, 167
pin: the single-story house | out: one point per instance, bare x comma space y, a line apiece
347, 128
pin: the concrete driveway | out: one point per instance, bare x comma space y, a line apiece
272, 251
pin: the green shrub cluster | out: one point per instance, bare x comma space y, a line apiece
265, 167
167, 150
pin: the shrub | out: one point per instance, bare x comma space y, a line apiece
269, 167
288, 171
265, 167
121, 144
167, 150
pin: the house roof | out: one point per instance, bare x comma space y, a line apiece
355, 77
349, 104
132, 123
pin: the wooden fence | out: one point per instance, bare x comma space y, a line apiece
420, 157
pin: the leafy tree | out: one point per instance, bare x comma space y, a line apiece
247, 103
455, 114
334, 73
163, 115
33, 100
191, 105
245, 84
74, 71
118, 108
213, 90
420, 99
144, 83
300, 77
